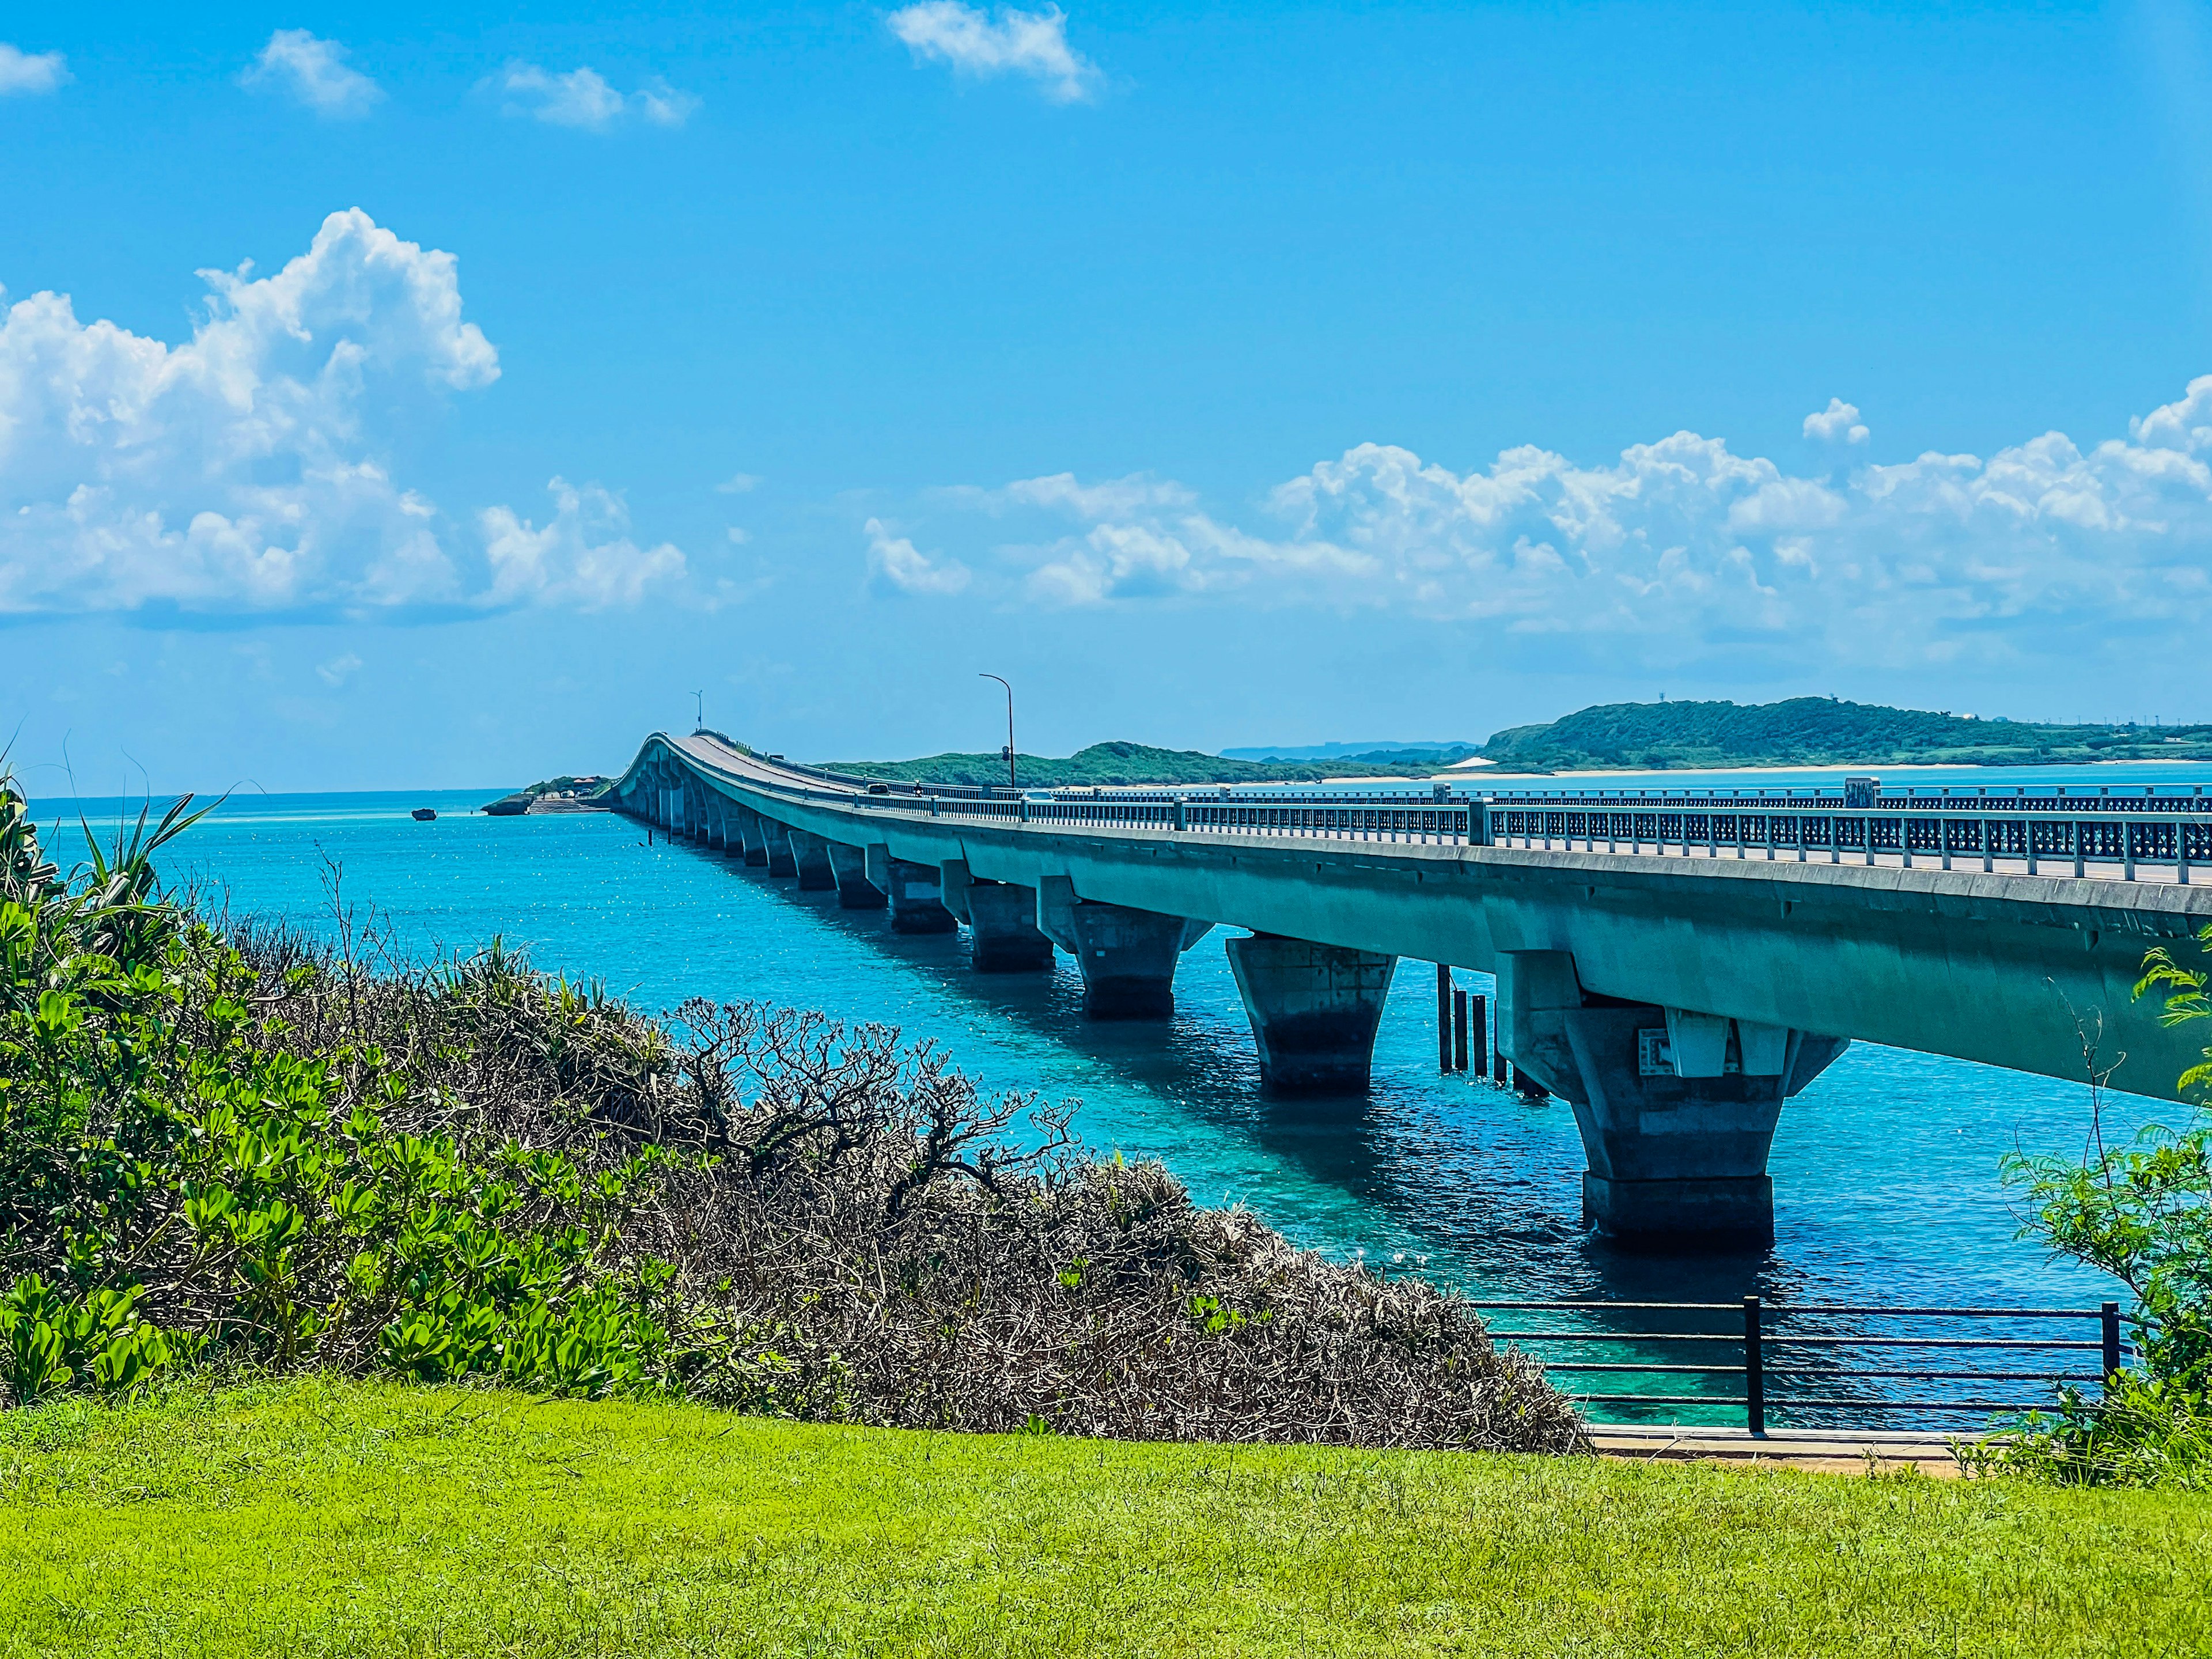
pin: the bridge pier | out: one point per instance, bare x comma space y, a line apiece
752, 837
809, 856
1314, 1010
775, 840
1001, 918
849, 867
1127, 957
914, 891
1677, 1108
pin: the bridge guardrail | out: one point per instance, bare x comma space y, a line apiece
1757, 1346
2164, 833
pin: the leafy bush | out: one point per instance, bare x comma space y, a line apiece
236, 1144
2142, 1212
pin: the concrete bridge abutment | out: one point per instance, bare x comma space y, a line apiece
913, 892
1314, 1010
849, 865
1127, 957
809, 856
1677, 1108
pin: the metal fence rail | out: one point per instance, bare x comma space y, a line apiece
1757, 1345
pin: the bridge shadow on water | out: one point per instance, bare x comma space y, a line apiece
1454, 1177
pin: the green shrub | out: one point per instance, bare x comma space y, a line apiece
2142, 1212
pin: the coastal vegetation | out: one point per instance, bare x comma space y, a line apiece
226, 1146
2142, 1211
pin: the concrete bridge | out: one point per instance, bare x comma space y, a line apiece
1675, 984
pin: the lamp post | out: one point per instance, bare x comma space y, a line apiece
700, 723
1011, 782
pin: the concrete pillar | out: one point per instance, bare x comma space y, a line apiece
849, 866
810, 853
1127, 958
1000, 918
1314, 1010
1676, 1107
1003, 936
778, 840
913, 890
752, 836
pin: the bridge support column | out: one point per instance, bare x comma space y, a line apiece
1314, 1010
809, 856
1127, 958
913, 890
776, 840
849, 865
752, 837
1677, 1108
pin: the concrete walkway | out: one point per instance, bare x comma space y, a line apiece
1838, 1451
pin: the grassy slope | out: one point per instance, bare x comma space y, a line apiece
312, 1518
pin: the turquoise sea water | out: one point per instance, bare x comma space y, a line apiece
1885, 1169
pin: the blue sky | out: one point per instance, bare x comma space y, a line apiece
1220, 375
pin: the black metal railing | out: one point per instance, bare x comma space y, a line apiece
1804, 1382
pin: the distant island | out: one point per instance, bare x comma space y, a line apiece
1819, 732
1120, 765
1620, 736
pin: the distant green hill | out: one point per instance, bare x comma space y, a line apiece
1819, 732
1117, 763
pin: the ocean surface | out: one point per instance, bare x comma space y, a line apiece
1886, 1169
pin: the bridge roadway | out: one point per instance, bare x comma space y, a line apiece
1675, 995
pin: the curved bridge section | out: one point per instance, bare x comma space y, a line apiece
1675, 992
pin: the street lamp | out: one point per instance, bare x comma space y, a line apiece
1009, 750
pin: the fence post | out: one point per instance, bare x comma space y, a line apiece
1754, 1370
1181, 821
2110, 1316
1443, 1018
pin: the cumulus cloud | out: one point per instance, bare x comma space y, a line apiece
1839, 420
248, 470
894, 562
338, 670
583, 98
316, 74
738, 484
23, 72
1682, 547
1032, 44
583, 558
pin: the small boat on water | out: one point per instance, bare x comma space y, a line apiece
423, 814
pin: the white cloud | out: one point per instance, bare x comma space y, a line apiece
738, 484
895, 561
339, 669
248, 470
1839, 420
738, 537
315, 73
23, 71
1026, 43
583, 98
563, 564
1682, 549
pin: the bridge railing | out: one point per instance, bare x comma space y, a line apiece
1793, 1359
2042, 835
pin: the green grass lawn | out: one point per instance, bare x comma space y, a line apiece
313, 1517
